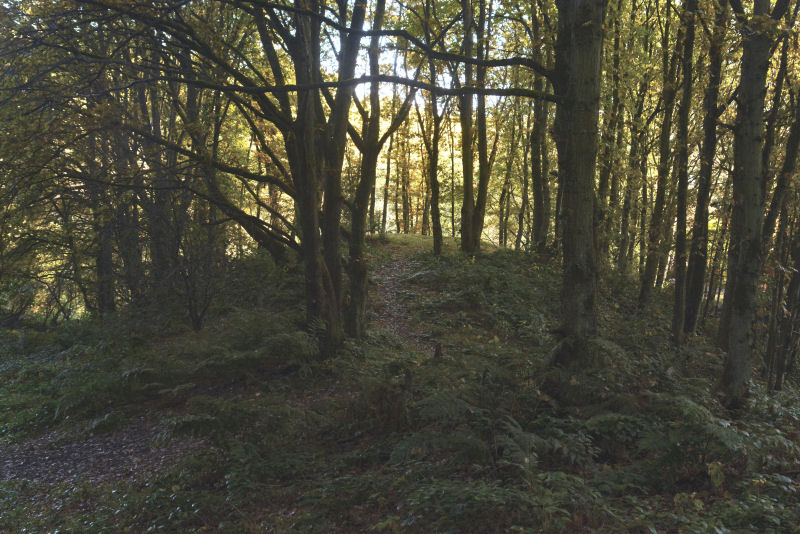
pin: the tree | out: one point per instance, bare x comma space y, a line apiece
744, 256
576, 81
656, 235
370, 142
679, 302
698, 256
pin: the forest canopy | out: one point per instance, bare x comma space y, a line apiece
146, 145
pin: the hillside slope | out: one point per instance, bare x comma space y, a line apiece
446, 418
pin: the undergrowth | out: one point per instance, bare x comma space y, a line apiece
481, 436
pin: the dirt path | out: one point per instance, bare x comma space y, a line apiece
388, 303
129, 454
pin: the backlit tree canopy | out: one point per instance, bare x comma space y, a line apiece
145, 144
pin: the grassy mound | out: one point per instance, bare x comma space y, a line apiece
392, 435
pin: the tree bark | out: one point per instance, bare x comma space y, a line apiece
634, 178
505, 193
525, 184
679, 301
788, 339
577, 84
607, 142
748, 207
539, 178
698, 257
385, 208
467, 162
484, 161
656, 232
433, 179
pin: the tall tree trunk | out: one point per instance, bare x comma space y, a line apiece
307, 203
577, 84
104, 263
356, 309
315, 150
698, 257
127, 223
539, 178
748, 206
130, 249
525, 184
372, 225
389, 163
544, 154
633, 180
433, 152
719, 251
501, 211
788, 339
398, 188
405, 178
505, 192
679, 301
765, 139
102, 224
643, 203
558, 227
664, 254
467, 162
452, 181
385, 208
778, 303
162, 247
611, 118
625, 223
433, 178
426, 203
612, 206
656, 234
484, 162
507, 214
333, 155
782, 183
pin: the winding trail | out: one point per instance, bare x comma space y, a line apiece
389, 304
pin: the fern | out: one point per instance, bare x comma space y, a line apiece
446, 409
519, 449
460, 447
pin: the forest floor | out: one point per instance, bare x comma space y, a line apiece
137, 423
388, 299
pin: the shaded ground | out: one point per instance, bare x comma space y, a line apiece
242, 427
388, 302
140, 449
129, 454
